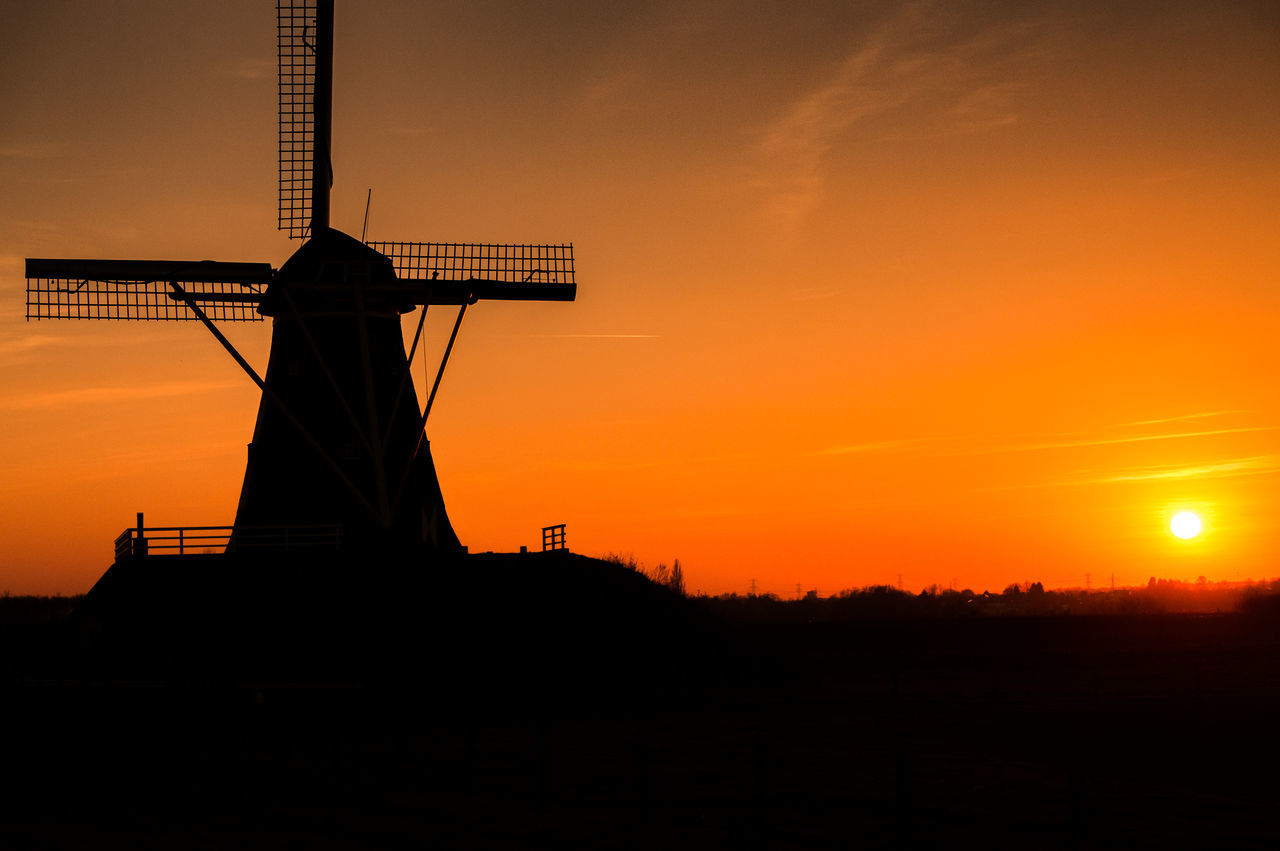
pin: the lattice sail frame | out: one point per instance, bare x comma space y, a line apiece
141, 291
502, 262
296, 54
141, 301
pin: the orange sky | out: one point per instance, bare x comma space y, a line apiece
959, 292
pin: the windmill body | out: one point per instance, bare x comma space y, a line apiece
337, 437
339, 441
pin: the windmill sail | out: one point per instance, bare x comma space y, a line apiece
296, 50
143, 290
460, 273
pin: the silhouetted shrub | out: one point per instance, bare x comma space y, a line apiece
671, 578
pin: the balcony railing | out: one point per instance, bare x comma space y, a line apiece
140, 542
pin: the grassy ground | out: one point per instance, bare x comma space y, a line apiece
1055, 732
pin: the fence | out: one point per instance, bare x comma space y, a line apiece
553, 538
140, 542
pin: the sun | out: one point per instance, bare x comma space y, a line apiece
1186, 525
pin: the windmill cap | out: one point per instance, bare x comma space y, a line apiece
325, 269
330, 246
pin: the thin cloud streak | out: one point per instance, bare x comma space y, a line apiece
1252, 466
859, 448
1258, 465
1028, 447
31, 150
814, 293
1183, 418
599, 336
91, 395
19, 349
1117, 440
249, 69
21, 345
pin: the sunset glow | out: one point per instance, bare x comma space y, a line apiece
1186, 525
923, 292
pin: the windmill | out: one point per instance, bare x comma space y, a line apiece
340, 434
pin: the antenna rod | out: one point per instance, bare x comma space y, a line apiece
321, 161
365, 230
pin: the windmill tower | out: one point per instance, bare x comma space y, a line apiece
340, 433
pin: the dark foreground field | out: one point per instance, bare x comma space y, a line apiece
1057, 732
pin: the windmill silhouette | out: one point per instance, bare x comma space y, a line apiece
339, 439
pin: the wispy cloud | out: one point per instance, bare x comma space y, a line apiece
30, 150
861, 448
985, 108
794, 146
612, 87
16, 348
956, 84
98, 395
599, 336
1251, 466
1182, 418
936, 447
1108, 441
813, 293
249, 69
19, 348
976, 446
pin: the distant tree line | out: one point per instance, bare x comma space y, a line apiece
1159, 596
25, 620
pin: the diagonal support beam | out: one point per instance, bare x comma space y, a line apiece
276, 400
426, 412
405, 379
